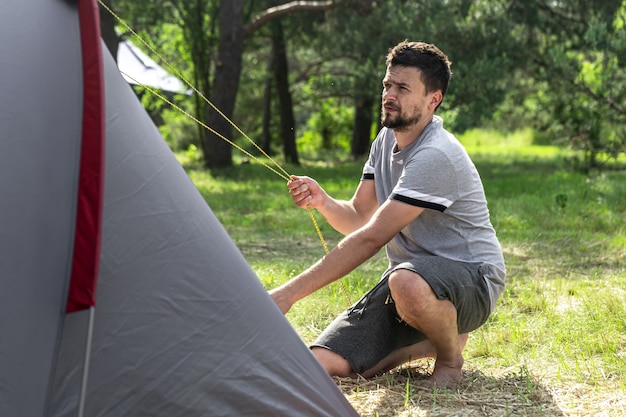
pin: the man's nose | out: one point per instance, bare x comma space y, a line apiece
389, 94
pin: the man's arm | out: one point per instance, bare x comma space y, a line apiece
344, 216
351, 252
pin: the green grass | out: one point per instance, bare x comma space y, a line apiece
563, 233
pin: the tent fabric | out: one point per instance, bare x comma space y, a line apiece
90, 183
40, 138
183, 327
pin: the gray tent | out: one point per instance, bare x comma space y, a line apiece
182, 326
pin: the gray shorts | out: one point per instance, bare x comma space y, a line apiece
371, 329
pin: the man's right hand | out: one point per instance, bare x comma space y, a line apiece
305, 192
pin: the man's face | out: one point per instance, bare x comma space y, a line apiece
403, 98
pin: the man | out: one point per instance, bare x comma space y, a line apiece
421, 196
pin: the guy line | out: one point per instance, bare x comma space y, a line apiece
283, 174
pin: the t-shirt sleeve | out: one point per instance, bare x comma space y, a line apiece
428, 180
368, 168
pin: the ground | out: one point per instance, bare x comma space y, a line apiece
507, 392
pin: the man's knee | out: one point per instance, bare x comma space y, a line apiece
415, 301
406, 285
333, 363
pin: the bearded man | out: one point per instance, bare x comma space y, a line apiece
421, 197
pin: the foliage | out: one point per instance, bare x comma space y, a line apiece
477, 37
577, 61
328, 128
481, 43
184, 34
177, 129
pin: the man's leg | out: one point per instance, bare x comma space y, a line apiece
406, 354
333, 363
419, 307
336, 365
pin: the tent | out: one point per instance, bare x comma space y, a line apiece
137, 67
120, 292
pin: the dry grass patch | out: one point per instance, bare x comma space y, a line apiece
501, 392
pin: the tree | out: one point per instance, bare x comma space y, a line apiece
213, 44
476, 35
352, 43
228, 69
577, 52
197, 20
218, 153
281, 74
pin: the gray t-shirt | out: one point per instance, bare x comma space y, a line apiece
436, 173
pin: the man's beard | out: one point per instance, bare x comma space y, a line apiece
400, 123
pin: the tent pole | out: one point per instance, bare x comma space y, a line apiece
83, 387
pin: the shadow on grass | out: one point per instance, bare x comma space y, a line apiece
399, 393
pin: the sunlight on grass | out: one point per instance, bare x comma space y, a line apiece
477, 138
572, 327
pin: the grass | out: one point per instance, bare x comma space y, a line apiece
556, 344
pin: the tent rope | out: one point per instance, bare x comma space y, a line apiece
283, 173
195, 90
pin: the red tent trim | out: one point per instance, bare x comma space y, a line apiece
85, 262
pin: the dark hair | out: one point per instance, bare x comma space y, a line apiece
433, 64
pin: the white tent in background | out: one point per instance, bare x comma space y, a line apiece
96, 210
137, 67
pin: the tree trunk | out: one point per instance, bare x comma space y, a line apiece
281, 72
218, 152
107, 29
361, 134
202, 40
266, 135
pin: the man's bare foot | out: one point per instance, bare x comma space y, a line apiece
445, 374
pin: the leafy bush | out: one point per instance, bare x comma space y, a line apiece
329, 128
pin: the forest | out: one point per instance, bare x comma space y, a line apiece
304, 76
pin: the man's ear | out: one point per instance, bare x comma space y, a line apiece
435, 99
